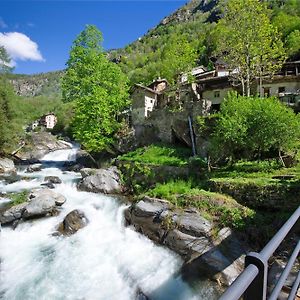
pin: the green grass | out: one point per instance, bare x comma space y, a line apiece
159, 155
221, 209
18, 198
256, 172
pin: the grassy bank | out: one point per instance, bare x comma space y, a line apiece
254, 197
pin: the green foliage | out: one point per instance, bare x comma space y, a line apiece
248, 42
18, 198
223, 210
159, 155
98, 89
177, 56
4, 61
250, 127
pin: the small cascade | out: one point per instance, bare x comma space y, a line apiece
105, 260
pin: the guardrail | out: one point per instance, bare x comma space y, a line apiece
251, 284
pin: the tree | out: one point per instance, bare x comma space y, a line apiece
249, 127
98, 89
7, 131
5, 61
178, 56
248, 42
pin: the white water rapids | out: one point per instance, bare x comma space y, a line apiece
105, 260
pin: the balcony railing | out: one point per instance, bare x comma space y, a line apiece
251, 284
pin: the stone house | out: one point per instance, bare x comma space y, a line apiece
215, 85
146, 98
48, 120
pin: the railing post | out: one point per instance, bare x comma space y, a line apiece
258, 288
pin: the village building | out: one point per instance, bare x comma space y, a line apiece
48, 120
146, 98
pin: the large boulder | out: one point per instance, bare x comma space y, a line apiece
84, 159
39, 206
40, 193
105, 181
187, 233
39, 144
13, 213
39, 203
7, 165
73, 221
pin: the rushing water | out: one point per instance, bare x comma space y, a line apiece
105, 260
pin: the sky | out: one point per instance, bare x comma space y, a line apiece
38, 35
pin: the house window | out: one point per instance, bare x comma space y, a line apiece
281, 89
267, 91
217, 94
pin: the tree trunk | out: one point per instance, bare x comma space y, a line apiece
243, 86
248, 84
260, 86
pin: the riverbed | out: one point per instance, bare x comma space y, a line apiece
104, 260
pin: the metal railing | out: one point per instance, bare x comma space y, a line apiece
251, 284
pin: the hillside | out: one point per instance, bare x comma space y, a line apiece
144, 59
44, 84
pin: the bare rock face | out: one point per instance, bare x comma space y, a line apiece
7, 165
189, 234
73, 221
105, 181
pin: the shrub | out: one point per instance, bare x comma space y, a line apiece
251, 127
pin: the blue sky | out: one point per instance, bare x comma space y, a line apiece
38, 34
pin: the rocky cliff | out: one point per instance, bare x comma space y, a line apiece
46, 84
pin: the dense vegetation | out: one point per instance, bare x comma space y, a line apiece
97, 88
253, 128
144, 60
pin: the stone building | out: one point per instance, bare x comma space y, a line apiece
48, 120
146, 98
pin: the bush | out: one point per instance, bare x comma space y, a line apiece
251, 127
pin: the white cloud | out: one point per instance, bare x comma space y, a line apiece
2, 23
20, 47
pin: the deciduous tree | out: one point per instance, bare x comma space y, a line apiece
98, 88
248, 42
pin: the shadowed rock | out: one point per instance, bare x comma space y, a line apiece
74, 221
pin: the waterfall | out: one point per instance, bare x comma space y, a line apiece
104, 260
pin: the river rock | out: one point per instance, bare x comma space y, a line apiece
73, 221
34, 168
39, 144
53, 179
85, 160
40, 206
189, 234
7, 165
58, 198
105, 181
13, 213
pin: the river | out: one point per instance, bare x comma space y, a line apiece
104, 260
